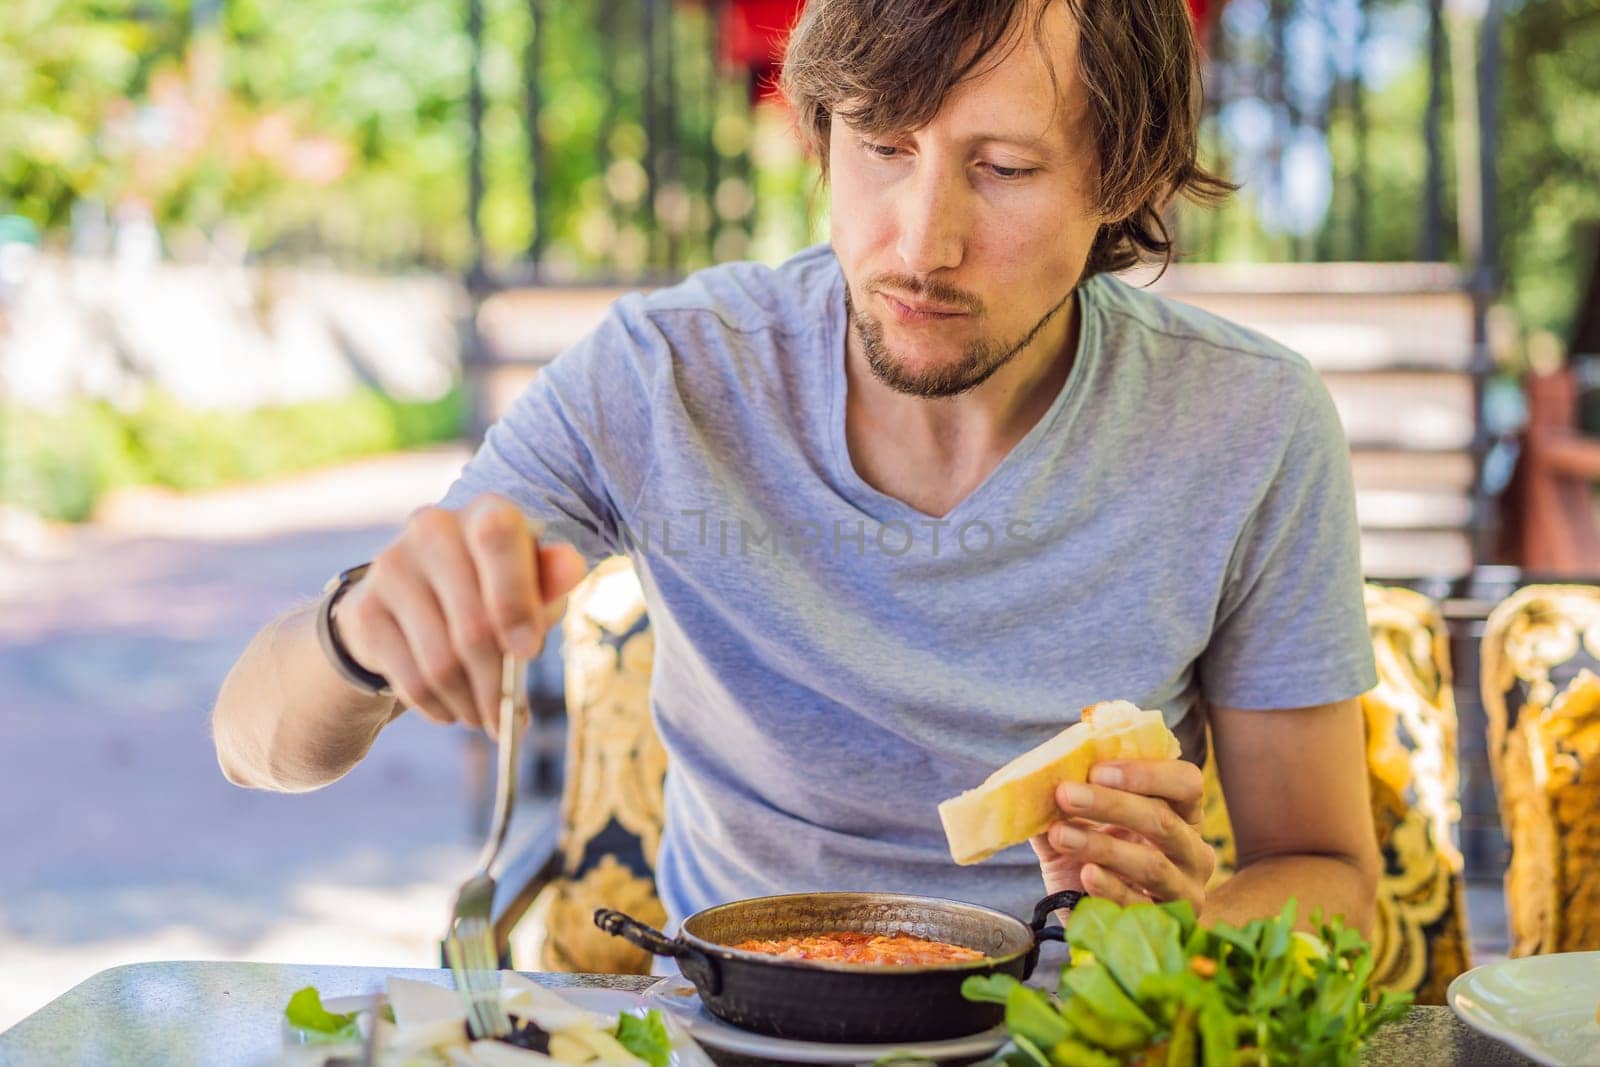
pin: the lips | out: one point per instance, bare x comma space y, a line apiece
907, 307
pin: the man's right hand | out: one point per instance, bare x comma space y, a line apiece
443, 603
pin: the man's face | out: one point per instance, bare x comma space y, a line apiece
961, 241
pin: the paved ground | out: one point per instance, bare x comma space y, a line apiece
119, 839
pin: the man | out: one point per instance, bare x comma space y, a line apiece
905, 504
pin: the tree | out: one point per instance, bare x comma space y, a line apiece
1549, 157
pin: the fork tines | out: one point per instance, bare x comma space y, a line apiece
470, 950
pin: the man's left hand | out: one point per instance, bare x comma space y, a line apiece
1131, 834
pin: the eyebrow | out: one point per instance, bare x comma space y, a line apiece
1026, 141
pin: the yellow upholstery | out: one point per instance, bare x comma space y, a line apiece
1543, 705
615, 767
611, 804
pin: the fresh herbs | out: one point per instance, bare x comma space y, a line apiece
1149, 985
646, 1037
305, 1012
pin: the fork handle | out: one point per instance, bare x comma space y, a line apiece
505, 783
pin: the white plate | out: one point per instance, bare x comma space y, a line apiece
1542, 1006
678, 996
297, 1052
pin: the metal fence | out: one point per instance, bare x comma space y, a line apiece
1360, 130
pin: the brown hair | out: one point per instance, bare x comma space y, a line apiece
884, 65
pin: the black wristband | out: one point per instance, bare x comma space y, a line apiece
369, 682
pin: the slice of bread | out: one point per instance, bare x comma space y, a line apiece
1018, 801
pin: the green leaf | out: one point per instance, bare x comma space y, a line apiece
1089, 926
1219, 1036
1029, 1014
988, 988
1161, 931
305, 1012
1275, 941
1242, 939
1183, 911
1071, 1053
1391, 1006
1029, 1050
646, 1037
1143, 942
1183, 1047
1202, 942
1113, 1034
1095, 986
1261, 998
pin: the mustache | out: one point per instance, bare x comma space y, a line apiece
934, 291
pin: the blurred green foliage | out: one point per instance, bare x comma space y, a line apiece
58, 464
1549, 159
336, 129
1548, 167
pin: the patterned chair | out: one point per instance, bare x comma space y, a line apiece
604, 850
1420, 939
611, 809
1541, 647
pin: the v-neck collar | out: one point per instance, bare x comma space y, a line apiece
883, 507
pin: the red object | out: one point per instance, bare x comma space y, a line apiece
754, 33
1205, 14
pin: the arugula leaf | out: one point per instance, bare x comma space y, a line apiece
1243, 940
305, 1012
1220, 1033
1089, 926
1141, 941
988, 988
1113, 1034
1183, 1047
1030, 1051
1030, 1014
646, 1037
1275, 942
1183, 911
1100, 992
1070, 1053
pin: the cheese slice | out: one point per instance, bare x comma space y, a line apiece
1018, 801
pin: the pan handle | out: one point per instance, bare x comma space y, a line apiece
1068, 899
698, 967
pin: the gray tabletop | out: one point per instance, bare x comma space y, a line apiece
226, 1014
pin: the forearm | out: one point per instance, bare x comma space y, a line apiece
1333, 885
285, 720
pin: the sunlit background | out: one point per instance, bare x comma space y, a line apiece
267, 269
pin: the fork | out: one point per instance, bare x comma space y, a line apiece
469, 945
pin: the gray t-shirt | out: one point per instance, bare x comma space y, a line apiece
1178, 530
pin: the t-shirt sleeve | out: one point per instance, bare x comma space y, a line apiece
1291, 628
573, 450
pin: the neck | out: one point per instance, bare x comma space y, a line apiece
932, 453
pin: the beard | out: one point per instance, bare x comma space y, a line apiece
979, 359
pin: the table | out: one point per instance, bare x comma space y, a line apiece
227, 1015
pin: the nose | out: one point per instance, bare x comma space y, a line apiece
933, 216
